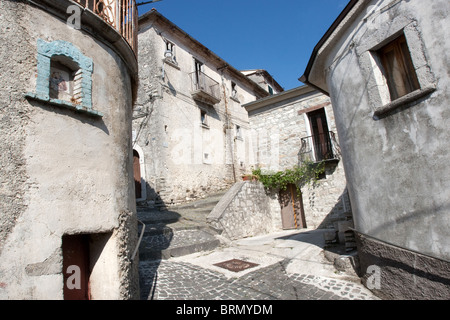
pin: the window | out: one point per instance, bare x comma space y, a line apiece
238, 132
203, 118
198, 74
169, 54
398, 68
64, 77
270, 90
321, 141
233, 90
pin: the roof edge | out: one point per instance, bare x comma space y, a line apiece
225, 65
305, 77
292, 93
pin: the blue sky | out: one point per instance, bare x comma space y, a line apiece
277, 36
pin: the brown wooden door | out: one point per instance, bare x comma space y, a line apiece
320, 134
137, 174
292, 214
76, 270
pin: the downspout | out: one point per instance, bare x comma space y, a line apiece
228, 127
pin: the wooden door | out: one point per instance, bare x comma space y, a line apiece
292, 213
76, 269
137, 174
320, 134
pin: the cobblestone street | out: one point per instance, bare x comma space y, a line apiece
167, 280
195, 277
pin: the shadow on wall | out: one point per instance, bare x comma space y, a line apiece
341, 211
156, 237
340, 242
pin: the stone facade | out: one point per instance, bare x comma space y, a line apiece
264, 80
394, 146
192, 141
246, 211
65, 164
279, 123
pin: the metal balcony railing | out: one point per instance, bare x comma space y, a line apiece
204, 87
319, 147
122, 15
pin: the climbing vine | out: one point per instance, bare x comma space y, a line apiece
307, 173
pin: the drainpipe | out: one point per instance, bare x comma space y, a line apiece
228, 127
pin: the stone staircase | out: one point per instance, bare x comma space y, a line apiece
177, 230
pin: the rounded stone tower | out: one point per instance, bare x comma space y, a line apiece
68, 73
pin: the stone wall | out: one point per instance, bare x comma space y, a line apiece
246, 210
395, 273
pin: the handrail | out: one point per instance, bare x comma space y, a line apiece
200, 81
122, 15
139, 241
319, 147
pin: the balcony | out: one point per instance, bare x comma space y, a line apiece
122, 15
321, 147
204, 89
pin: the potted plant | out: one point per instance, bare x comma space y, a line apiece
249, 177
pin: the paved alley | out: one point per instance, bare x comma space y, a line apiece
288, 265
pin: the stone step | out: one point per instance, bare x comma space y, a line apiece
180, 230
152, 216
206, 203
175, 244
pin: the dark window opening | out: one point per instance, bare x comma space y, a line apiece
321, 140
233, 90
203, 118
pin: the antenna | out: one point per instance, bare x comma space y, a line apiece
140, 4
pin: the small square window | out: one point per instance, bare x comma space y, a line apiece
233, 90
203, 118
64, 77
398, 68
169, 54
238, 132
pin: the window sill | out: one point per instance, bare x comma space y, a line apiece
235, 99
63, 104
381, 112
204, 126
171, 63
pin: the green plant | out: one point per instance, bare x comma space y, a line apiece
307, 173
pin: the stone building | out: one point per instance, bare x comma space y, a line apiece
264, 80
385, 66
290, 128
191, 133
68, 228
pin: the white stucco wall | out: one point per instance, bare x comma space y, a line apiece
77, 168
396, 165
